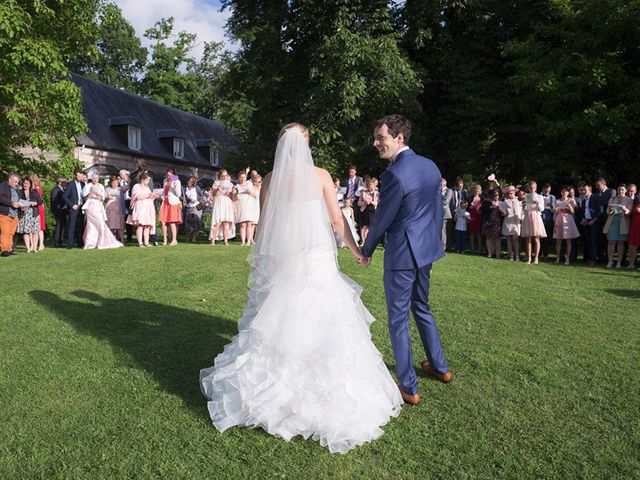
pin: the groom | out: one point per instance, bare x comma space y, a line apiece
410, 213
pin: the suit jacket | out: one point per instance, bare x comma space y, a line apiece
359, 184
447, 200
34, 196
595, 206
70, 195
464, 195
5, 198
58, 205
410, 213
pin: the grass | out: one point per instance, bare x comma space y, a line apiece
100, 353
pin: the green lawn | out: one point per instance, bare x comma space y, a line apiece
100, 353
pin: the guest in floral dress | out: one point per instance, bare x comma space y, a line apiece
193, 198
29, 222
492, 222
475, 220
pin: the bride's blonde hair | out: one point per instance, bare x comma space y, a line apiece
303, 129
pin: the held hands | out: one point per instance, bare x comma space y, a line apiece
15, 205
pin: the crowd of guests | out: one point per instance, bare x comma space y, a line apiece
91, 214
603, 223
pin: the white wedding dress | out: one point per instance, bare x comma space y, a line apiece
303, 362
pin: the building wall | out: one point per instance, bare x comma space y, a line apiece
91, 156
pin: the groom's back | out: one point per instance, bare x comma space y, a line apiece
414, 237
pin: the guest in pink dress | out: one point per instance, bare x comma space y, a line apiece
564, 227
222, 211
115, 208
246, 214
475, 220
96, 230
532, 224
511, 210
143, 211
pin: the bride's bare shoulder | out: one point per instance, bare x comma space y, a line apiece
322, 174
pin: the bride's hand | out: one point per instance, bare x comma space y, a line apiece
359, 257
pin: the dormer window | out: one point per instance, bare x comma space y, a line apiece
134, 137
178, 147
214, 156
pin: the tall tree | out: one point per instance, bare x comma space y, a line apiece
39, 105
333, 65
118, 58
166, 80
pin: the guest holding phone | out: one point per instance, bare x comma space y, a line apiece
532, 224
617, 225
565, 228
511, 210
475, 220
222, 212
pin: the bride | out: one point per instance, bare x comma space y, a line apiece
303, 362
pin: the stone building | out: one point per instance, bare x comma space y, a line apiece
127, 130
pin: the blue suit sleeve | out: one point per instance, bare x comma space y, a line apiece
391, 195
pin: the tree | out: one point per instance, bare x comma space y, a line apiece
118, 58
335, 66
166, 80
40, 106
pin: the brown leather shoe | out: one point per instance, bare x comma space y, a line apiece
410, 399
443, 377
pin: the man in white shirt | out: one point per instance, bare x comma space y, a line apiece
73, 199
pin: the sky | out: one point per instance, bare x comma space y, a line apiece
202, 17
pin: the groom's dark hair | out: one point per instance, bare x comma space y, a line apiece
396, 124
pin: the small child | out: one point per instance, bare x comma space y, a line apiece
347, 212
462, 218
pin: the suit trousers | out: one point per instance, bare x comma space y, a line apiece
75, 227
591, 235
58, 234
8, 228
408, 290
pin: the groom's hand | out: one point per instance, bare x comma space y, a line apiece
366, 261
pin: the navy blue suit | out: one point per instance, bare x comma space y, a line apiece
410, 216
75, 227
591, 232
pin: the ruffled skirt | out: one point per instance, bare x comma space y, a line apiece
303, 362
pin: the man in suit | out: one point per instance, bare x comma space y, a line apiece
410, 215
9, 206
354, 185
59, 210
125, 194
73, 200
588, 218
448, 200
459, 194
604, 194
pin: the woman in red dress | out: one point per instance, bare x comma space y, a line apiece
171, 209
634, 233
35, 181
475, 220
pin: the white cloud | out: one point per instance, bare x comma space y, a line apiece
202, 17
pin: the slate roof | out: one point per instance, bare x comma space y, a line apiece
107, 110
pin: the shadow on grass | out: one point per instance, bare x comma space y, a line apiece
624, 293
171, 344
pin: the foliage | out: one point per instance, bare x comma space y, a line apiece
39, 105
118, 58
334, 66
